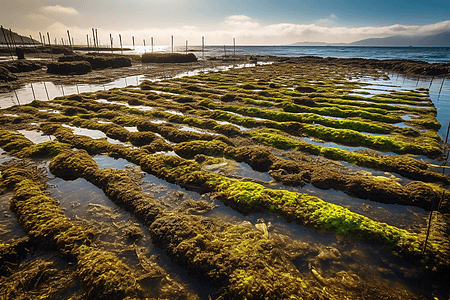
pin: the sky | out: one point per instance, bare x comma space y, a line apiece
250, 22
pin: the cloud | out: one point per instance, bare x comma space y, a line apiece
327, 22
247, 32
240, 21
59, 10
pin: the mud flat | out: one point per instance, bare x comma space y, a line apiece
274, 181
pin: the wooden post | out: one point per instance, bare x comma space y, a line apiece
40, 36
87, 40
21, 39
145, 50
7, 43
93, 37
203, 47
120, 39
132, 38
152, 44
186, 46
37, 50
172, 42
98, 42
13, 41
111, 40
62, 41
70, 42
50, 45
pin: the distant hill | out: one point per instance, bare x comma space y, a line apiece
17, 38
436, 40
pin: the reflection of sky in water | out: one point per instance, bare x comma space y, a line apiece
48, 90
439, 91
334, 145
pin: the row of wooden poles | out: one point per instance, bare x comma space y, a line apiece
12, 45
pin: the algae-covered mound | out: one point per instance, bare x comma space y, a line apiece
98, 62
19, 66
6, 75
66, 68
168, 58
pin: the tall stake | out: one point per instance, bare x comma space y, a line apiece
203, 47
133, 41
87, 40
93, 37
40, 36
152, 43
120, 39
70, 41
145, 50
37, 50
7, 43
96, 36
13, 41
111, 40
50, 45
172, 42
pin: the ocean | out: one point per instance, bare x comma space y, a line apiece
428, 54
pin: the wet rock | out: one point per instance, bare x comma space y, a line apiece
168, 58
133, 232
19, 66
329, 253
66, 68
229, 98
6, 75
305, 89
306, 101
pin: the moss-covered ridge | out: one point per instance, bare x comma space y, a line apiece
104, 277
191, 241
304, 209
402, 164
244, 263
302, 171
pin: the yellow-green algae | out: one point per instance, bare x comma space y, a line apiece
243, 262
104, 275
246, 197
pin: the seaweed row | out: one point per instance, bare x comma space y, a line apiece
402, 165
243, 263
286, 171
249, 197
301, 172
